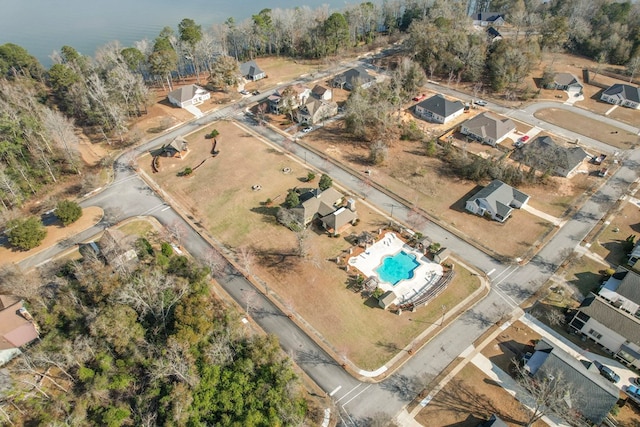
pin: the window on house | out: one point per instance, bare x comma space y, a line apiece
582, 316
595, 334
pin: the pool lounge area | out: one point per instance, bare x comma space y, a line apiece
398, 267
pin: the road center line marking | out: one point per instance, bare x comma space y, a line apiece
335, 390
361, 391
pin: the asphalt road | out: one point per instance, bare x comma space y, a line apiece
129, 196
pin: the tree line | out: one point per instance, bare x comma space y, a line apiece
145, 345
40, 108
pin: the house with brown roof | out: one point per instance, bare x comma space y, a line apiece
188, 95
322, 92
544, 155
17, 328
488, 128
611, 317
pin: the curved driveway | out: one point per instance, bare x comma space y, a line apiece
130, 196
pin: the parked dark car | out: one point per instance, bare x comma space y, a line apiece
607, 372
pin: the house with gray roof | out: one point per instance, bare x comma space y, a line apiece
497, 200
622, 94
353, 77
188, 95
588, 393
251, 71
544, 155
566, 81
604, 321
493, 35
488, 128
178, 147
484, 19
439, 109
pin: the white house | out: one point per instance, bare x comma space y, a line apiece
439, 109
622, 94
497, 200
188, 95
611, 317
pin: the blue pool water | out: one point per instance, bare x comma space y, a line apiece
398, 267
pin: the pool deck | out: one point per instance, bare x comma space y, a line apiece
425, 275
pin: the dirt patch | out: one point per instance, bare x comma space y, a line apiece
55, 234
511, 344
219, 194
611, 135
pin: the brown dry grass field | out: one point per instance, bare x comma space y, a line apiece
426, 182
469, 399
604, 132
55, 234
219, 194
610, 243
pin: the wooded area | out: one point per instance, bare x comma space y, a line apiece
102, 94
143, 345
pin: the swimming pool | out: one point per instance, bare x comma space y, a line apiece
395, 268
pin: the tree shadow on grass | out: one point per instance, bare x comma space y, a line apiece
458, 396
280, 261
268, 213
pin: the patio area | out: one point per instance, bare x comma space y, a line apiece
426, 274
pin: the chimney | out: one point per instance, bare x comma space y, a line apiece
351, 205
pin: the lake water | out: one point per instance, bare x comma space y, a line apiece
42, 26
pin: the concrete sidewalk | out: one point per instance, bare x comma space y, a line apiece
552, 219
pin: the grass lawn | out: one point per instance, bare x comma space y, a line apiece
610, 243
137, 227
219, 194
469, 399
604, 132
583, 274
